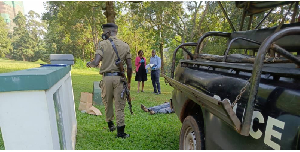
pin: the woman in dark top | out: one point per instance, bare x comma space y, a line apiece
141, 74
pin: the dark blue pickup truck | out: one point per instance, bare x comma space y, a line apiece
241, 101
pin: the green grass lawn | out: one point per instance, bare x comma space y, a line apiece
155, 132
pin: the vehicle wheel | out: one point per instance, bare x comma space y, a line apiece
191, 135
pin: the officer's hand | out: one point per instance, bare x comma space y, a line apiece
88, 64
128, 86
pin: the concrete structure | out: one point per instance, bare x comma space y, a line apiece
62, 59
9, 10
97, 99
37, 110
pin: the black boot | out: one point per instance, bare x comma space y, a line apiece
111, 126
121, 133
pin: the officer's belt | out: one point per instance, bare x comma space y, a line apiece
112, 74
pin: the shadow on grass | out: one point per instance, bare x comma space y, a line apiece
155, 132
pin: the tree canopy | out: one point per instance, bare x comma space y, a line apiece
75, 27
5, 42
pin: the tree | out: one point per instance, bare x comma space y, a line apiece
155, 17
37, 31
132, 32
187, 21
74, 26
110, 12
28, 42
79, 23
22, 42
5, 43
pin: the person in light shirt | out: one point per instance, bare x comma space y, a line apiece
155, 72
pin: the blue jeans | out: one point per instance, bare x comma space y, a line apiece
163, 108
155, 80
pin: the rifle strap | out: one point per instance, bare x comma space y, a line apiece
114, 47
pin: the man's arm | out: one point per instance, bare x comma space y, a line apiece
98, 56
129, 71
95, 62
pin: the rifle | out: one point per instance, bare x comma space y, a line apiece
125, 90
125, 86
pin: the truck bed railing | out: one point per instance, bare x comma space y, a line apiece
237, 38
257, 70
212, 33
175, 52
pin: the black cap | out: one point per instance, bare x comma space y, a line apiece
109, 25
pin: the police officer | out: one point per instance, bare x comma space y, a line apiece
111, 84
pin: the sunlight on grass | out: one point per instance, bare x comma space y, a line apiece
10, 65
156, 132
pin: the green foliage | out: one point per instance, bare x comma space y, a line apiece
5, 42
74, 27
1, 141
134, 34
81, 64
28, 44
22, 42
158, 18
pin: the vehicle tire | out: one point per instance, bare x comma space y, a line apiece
191, 134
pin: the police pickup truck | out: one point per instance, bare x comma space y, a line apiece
240, 101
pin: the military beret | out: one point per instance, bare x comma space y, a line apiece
109, 25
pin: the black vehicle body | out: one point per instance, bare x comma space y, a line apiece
267, 113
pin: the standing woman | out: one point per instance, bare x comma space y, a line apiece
140, 64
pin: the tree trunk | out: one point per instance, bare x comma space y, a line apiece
110, 12
83, 54
136, 49
161, 51
202, 47
203, 15
91, 55
94, 31
194, 21
182, 41
295, 12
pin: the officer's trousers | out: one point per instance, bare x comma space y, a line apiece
112, 87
